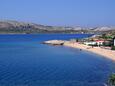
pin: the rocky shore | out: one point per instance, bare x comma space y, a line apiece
54, 42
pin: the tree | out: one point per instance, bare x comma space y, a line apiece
104, 36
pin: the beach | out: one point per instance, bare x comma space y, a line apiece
110, 54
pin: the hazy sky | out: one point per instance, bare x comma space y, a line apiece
60, 12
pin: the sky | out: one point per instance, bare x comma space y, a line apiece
60, 12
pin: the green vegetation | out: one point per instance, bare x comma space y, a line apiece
95, 45
106, 36
111, 81
113, 48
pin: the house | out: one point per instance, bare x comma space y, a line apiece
99, 42
114, 42
90, 43
96, 42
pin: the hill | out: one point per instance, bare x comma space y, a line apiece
9, 26
23, 27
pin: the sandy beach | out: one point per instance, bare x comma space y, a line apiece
110, 54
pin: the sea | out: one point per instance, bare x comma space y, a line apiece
25, 61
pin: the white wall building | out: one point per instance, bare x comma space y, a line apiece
90, 43
114, 41
99, 42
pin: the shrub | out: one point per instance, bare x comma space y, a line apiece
113, 48
111, 80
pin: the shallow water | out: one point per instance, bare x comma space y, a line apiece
26, 62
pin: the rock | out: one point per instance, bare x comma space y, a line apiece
54, 42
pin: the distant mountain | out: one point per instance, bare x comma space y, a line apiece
104, 28
9, 26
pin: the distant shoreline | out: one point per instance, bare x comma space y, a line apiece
42, 33
11, 33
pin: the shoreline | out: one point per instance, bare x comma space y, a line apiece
110, 54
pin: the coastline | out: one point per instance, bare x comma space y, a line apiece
110, 54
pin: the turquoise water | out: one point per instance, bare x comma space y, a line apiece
26, 62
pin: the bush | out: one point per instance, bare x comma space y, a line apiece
111, 80
113, 48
